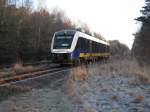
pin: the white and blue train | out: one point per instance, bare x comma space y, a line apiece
72, 46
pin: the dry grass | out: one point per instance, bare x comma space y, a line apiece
19, 68
114, 67
121, 67
138, 99
79, 74
79, 77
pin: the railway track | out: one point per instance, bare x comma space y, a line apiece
32, 75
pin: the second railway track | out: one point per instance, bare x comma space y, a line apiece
25, 76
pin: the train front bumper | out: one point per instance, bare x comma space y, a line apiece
61, 58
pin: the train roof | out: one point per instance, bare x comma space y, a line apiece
83, 35
65, 31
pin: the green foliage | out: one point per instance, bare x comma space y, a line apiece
141, 46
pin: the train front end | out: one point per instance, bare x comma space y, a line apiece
61, 47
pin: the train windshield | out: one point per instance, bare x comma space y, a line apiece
62, 41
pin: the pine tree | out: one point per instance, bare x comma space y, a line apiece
141, 46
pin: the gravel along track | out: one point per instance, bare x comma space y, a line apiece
46, 94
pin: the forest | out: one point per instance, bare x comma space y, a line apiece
25, 34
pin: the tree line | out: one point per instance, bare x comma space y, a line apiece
119, 50
141, 46
25, 34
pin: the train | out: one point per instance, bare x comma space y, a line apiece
72, 47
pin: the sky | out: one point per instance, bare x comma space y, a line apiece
113, 19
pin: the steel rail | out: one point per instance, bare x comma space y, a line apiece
16, 78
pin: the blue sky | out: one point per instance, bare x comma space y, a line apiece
114, 19
19, 2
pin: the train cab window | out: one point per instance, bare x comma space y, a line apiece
62, 41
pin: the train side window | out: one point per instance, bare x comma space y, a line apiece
82, 43
100, 47
79, 43
103, 48
90, 45
94, 46
97, 47
87, 45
